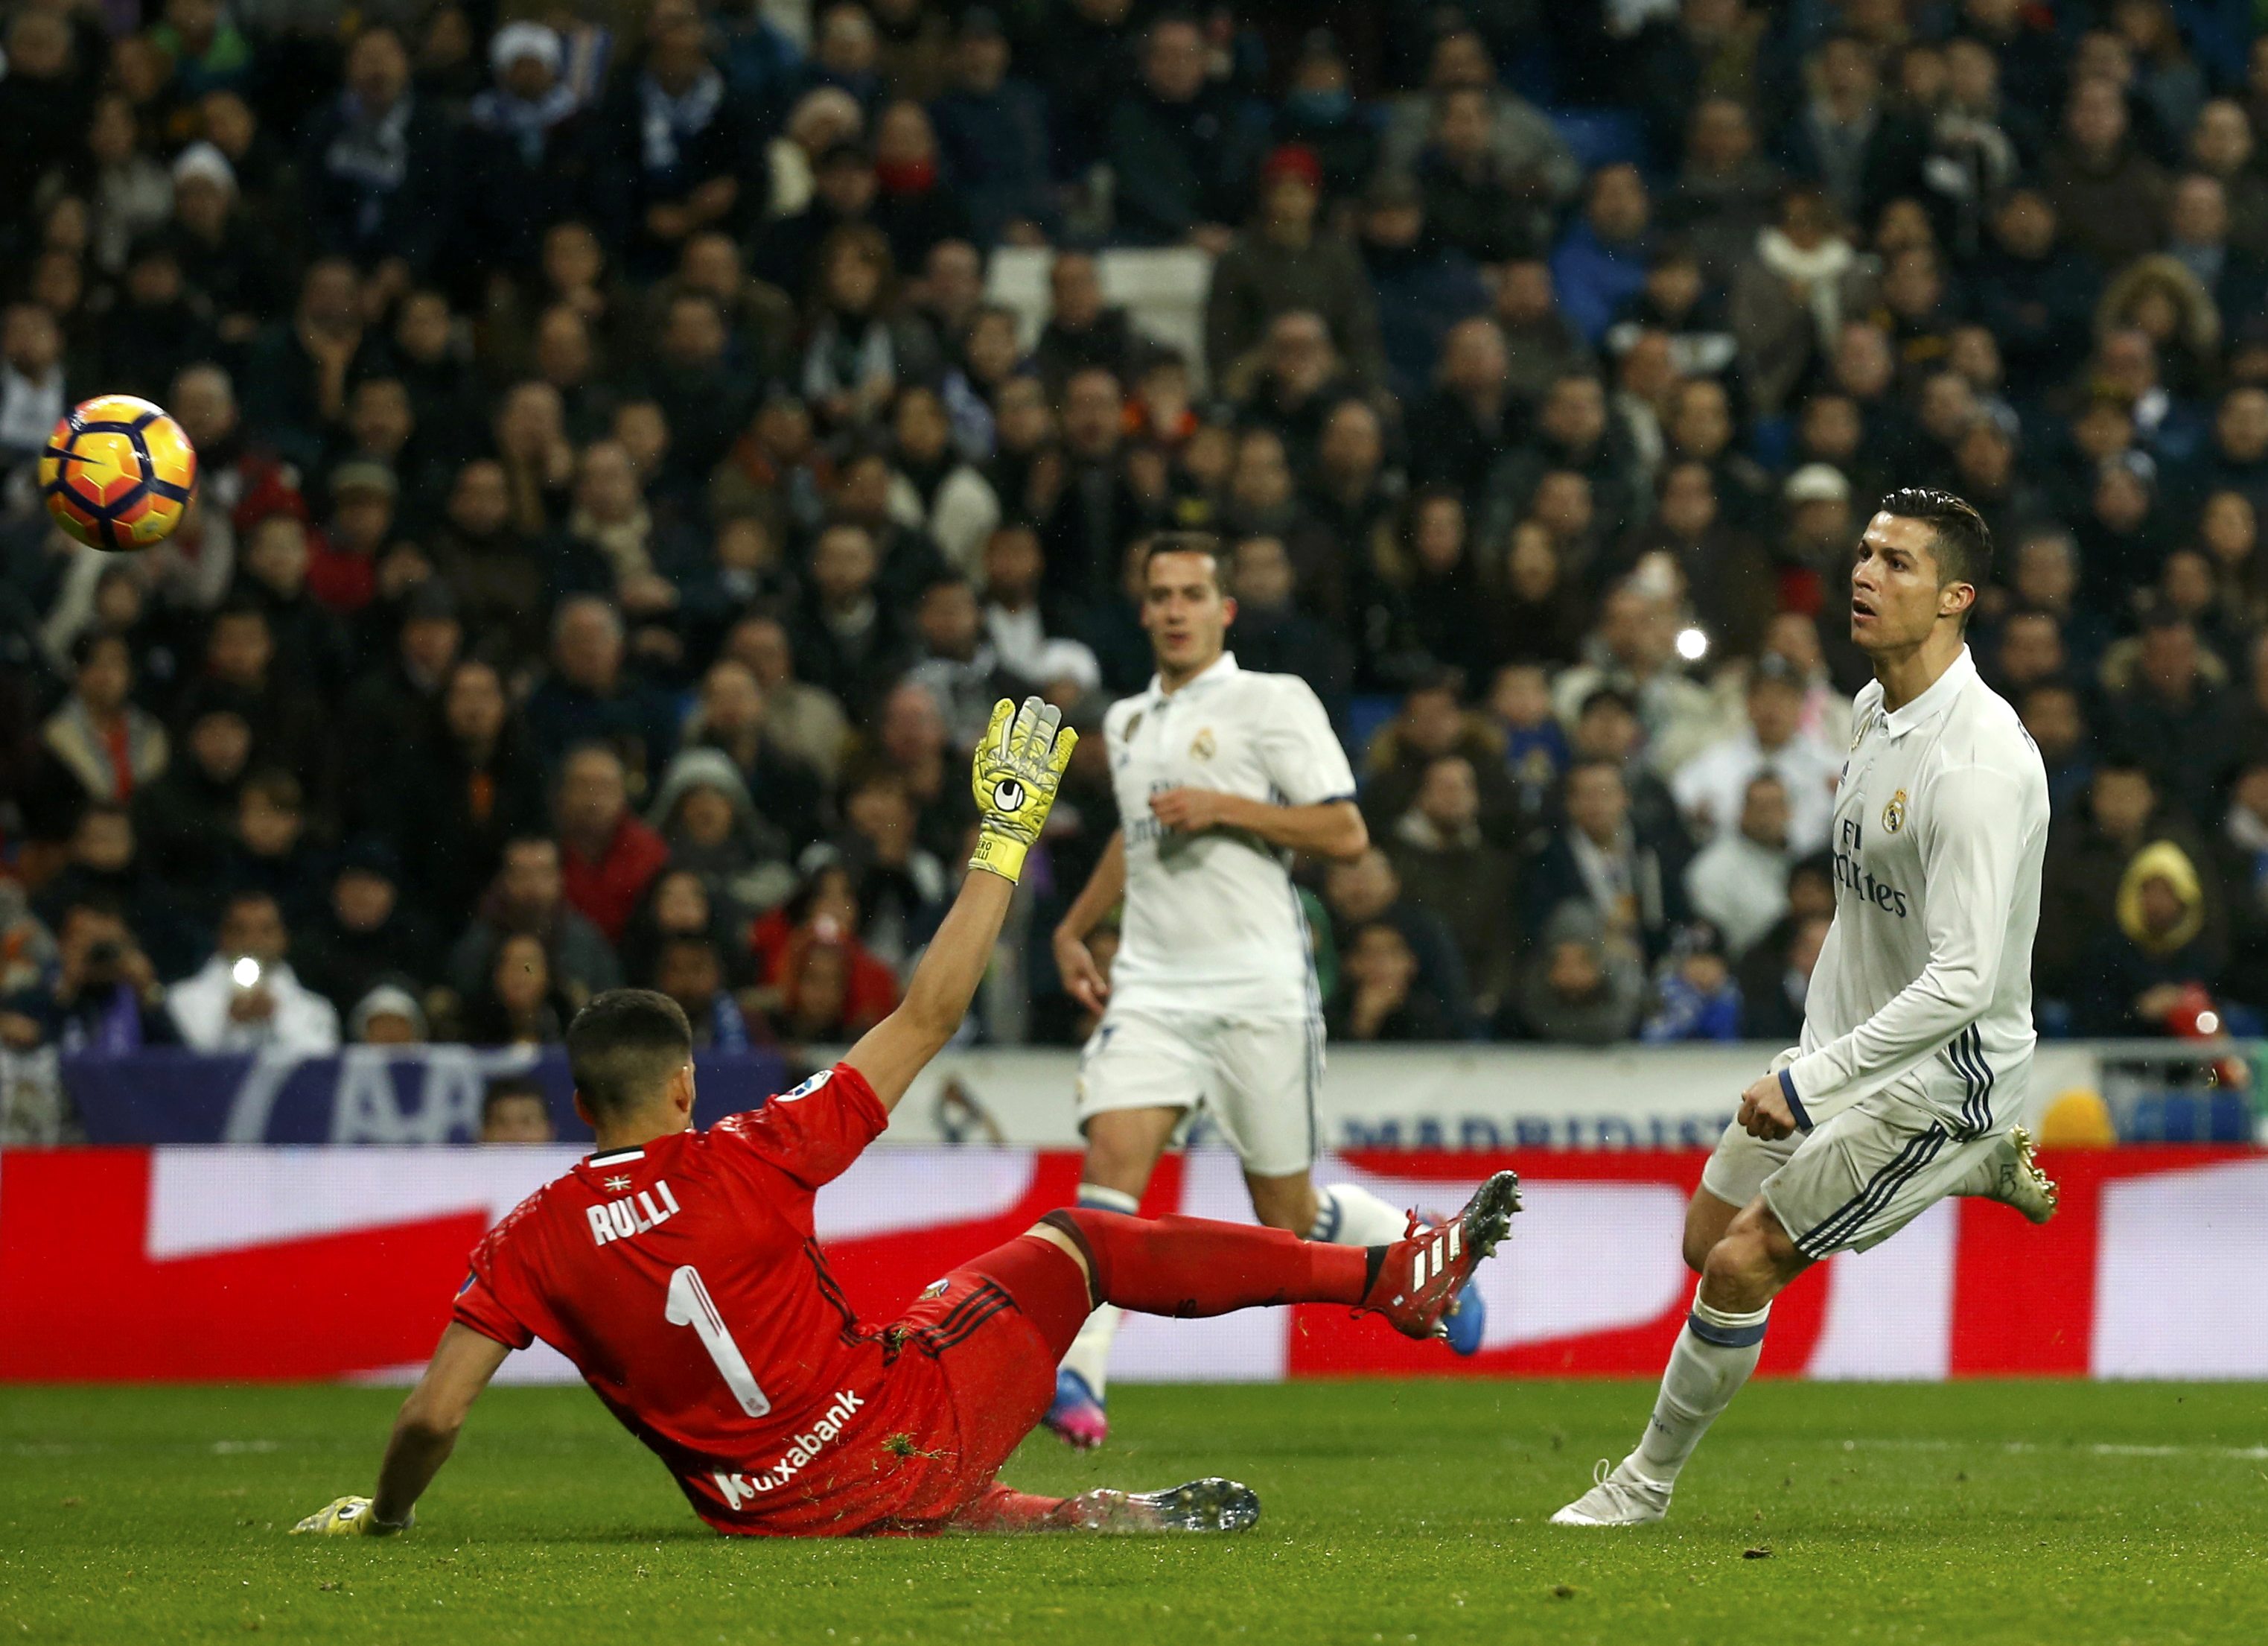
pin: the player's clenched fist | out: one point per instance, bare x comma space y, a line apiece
351, 1518
1019, 767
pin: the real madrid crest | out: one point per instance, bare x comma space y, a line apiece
1894, 815
1201, 748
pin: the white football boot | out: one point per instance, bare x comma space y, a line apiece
2018, 1180
1620, 1496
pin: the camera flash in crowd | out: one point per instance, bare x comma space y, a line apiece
1692, 645
246, 973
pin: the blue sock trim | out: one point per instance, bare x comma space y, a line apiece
1794, 1103
1328, 1214
1099, 1200
1725, 1337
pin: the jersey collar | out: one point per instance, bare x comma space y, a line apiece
1219, 668
1934, 703
616, 1157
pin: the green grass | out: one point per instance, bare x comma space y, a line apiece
2022, 1512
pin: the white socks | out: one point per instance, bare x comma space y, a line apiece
1348, 1216
1713, 1357
1345, 1215
1090, 1351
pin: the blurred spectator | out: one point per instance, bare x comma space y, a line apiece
1377, 999
1711, 787
2108, 194
1366, 890
1738, 881
247, 997
1696, 997
1287, 260
607, 855
1180, 149
105, 746
514, 1110
388, 1015
1632, 884
1776, 976
105, 999
2140, 971
690, 970
528, 898
1447, 866
363, 936
1579, 989
992, 133
518, 1004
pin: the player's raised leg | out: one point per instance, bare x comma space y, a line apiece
1080, 1258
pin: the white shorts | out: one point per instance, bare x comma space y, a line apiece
1254, 1076
1853, 1181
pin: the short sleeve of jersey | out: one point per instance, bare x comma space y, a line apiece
1299, 750
813, 1133
480, 1300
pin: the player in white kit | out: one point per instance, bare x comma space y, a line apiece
1221, 775
1916, 1041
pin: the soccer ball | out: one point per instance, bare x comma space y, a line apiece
118, 472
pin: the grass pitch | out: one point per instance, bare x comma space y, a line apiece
1394, 1512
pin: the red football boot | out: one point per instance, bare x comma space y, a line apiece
1418, 1283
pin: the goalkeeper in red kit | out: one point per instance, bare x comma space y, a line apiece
679, 1270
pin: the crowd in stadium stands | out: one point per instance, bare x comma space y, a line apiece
622, 498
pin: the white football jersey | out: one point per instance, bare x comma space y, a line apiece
1212, 922
1925, 978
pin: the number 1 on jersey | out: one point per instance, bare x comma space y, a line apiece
690, 1306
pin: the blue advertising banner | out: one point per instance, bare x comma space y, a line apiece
361, 1095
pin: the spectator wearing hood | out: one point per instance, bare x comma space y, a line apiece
733, 716
705, 817
1577, 989
2159, 956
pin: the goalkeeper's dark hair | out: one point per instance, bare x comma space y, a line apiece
1206, 543
1964, 541
624, 1048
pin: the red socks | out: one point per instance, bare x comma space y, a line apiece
1188, 1266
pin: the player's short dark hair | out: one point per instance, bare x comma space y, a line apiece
1964, 541
504, 1088
1205, 544
624, 1047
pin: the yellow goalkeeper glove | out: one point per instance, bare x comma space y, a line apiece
1018, 767
351, 1518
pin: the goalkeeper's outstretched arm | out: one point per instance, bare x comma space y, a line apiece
1018, 767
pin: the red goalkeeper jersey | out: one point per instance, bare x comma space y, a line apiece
684, 1281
